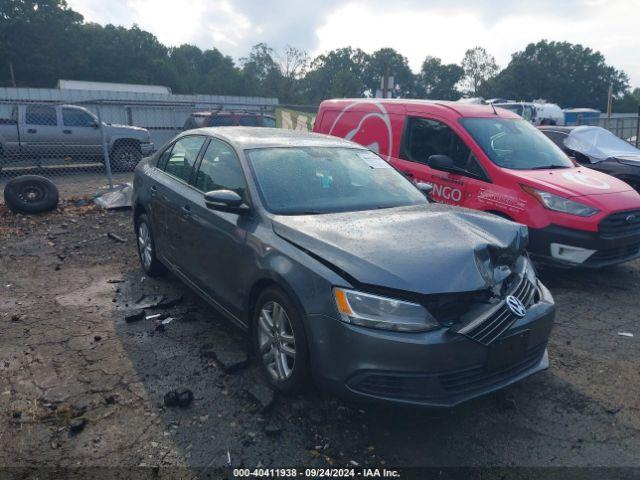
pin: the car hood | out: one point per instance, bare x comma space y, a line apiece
571, 182
421, 249
629, 159
137, 132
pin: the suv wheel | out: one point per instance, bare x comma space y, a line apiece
125, 157
147, 247
279, 341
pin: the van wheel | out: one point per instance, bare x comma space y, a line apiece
31, 194
147, 247
279, 341
125, 157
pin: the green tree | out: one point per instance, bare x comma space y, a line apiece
479, 66
38, 38
560, 72
336, 74
387, 61
439, 81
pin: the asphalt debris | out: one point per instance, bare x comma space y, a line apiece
179, 397
115, 237
77, 425
134, 315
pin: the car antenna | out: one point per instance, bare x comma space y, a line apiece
494, 108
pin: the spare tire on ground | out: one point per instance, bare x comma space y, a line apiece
31, 194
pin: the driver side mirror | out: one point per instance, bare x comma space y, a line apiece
425, 188
95, 124
443, 163
225, 201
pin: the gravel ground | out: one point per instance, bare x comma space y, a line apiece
81, 386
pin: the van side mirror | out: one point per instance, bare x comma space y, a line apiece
443, 163
225, 201
425, 188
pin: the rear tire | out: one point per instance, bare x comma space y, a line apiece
279, 341
147, 248
125, 157
31, 194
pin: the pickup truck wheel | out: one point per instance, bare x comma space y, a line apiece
31, 194
125, 157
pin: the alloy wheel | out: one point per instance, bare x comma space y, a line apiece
144, 244
276, 341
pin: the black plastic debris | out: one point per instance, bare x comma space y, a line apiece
180, 397
115, 237
262, 394
169, 302
77, 425
134, 315
230, 360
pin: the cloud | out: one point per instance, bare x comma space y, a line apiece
416, 28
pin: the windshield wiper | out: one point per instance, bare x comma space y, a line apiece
549, 167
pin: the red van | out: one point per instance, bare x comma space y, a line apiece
490, 159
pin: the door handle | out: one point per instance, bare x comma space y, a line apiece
68, 132
153, 190
186, 210
32, 130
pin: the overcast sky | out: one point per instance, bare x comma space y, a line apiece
416, 28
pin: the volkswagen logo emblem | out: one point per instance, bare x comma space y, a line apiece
631, 218
516, 306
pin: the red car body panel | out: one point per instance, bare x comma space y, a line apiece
379, 125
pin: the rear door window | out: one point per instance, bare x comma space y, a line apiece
426, 137
41, 115
248, 121
179, 162
72, 117
221, 121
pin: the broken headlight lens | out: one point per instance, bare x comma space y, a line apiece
373, 311
560, 204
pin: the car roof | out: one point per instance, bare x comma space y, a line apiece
263, 137
406, 105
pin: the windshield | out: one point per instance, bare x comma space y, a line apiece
598, 143
515, 144
304, 180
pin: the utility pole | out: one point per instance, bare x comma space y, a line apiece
13, 76
385, 80
610, 102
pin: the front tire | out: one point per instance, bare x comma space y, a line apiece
279, 341
147, 247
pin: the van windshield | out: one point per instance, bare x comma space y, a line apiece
515, 144
314, 180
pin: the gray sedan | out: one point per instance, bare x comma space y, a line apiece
340, 269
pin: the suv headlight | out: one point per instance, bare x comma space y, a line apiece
373, 311
560, 204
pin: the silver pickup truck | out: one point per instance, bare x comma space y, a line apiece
39, 135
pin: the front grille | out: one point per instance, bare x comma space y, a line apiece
621, 224
614, 254
490, 325
470, 379
429, 387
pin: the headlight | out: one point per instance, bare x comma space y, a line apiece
560, 204
381, 312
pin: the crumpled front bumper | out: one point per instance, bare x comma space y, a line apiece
432, 369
